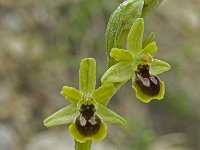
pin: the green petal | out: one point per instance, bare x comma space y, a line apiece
109, 116
71, 94
104, 93
122, 55
120, 72
87, 75
149, 6
100, 135
119, 25
63, 116
146, 98
148, 40
151, 49
158, 67
135, 36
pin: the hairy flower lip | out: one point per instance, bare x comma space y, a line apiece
149, 84
88, 123
100, 135
90, 127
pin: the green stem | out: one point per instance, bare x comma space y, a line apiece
83, 146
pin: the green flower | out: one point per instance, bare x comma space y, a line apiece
137, 63
87, 114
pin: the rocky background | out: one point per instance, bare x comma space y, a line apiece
41, 44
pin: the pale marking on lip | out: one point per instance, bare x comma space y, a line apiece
82, 121
92, 120
145, 81
153, 79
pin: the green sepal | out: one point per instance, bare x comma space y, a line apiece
100, 135
119, 25
121, 55
109, 116
63, 116
158, 67
87, 75
148, 40
120, 72
150, 5
72, 94
146, 98
135, 36
104, 93
151, 49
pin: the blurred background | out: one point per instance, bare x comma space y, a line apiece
41, 45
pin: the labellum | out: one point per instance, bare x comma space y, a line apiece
149, 84
87, 122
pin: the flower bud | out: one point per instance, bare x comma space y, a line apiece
150, 5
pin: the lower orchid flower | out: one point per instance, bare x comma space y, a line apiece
87, 114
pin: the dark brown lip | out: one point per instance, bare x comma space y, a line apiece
87, 123
149, 84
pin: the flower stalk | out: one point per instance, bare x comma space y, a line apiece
83, 146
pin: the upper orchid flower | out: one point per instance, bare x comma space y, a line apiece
137, 62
